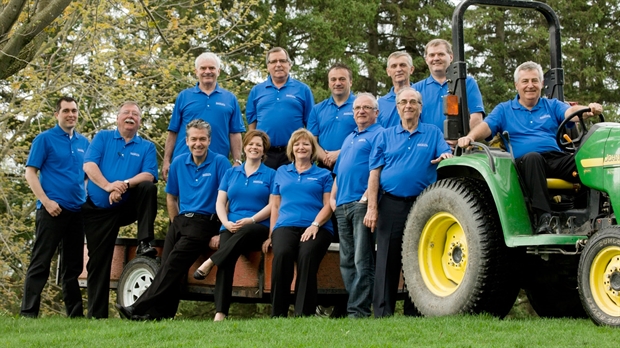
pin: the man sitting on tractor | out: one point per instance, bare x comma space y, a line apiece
532, 122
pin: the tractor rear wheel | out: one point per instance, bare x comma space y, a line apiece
455, 260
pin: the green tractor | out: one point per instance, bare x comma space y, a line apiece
469, 244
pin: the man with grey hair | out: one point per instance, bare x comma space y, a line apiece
122, 171
438, 56
192, 190
349, 201
408, 147
279, 106
532, 123
212, 103
399, 69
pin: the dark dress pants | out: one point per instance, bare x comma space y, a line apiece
232, 245
187, 238
276, 157
535, 168
101, 227
64, 232
288, 249
393, 214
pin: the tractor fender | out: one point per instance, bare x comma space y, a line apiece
500, 175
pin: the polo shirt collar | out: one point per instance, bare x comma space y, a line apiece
400, 129
517, 106
270, 82
59, 131
241, 169
189, 160
197, 89
348, 101
411, 84
311, 170
430, 80
373, 126
136, 138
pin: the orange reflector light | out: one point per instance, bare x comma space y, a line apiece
567, 138
451, 105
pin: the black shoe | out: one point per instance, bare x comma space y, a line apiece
199, 275
145, 317
125, 312
145, 249
548, 224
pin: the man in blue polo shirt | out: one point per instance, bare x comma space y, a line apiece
349, 202
122, 169
279, 106
438, 56
532, 123
192, 190
399, 69
210, 102
332, 119
58, 154
402, 164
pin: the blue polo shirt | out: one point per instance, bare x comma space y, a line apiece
388, 114
220, 109
118, 160
352, 166
301, 195
406, 158
432, 99
247, 195
332, 123
279, 111
60, 159
196, 186
530, 130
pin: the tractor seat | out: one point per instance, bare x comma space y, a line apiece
559, 184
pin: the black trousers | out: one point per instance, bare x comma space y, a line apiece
276, 156
102, 226
64, 232
393, 214
288, 249
232, 245
187, 238
535, 168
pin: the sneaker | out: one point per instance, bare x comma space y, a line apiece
145, 249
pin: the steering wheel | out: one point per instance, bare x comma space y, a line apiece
582, 130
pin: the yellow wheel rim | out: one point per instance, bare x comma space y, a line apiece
442, 254
605, 280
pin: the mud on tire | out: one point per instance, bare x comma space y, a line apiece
454, 257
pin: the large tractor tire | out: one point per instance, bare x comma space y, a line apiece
551, 286
599, 277
137, 276
455, 260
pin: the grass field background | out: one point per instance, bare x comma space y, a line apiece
398, 331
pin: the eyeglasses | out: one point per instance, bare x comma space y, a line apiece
404, 102
276, 61
365, 107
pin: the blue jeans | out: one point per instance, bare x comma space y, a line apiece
357, 261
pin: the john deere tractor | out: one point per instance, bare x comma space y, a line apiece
469, 243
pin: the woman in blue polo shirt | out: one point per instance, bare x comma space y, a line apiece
301, 230
243, 208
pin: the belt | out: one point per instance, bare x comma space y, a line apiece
196, 215
398, 198
277, 149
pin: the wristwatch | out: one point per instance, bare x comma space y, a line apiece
364, 199
238, 161
126, 183
314, 223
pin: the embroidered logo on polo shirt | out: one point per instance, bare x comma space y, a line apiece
291, 96
347, 113
80, 150
422, 145
362, 139
206, 174
258, 182
220, 104
545, 116
313, 178
134, 154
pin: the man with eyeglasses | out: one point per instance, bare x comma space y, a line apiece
212, 103
438, 56
122, 171
399, 69
349, 201
279, 106
403, 163
332, 119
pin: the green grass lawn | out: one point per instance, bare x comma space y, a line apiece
399, 331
